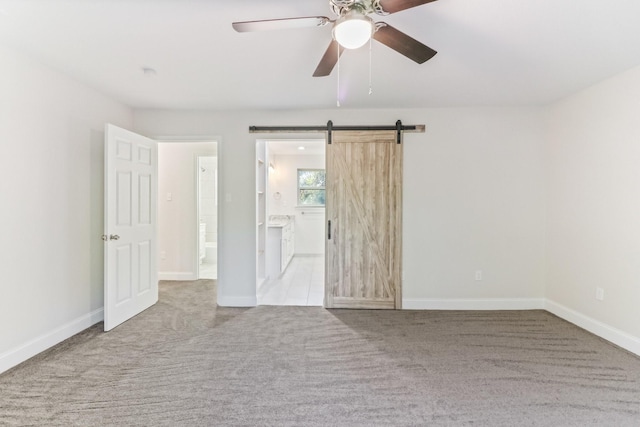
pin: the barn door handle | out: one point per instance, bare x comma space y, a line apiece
329, 230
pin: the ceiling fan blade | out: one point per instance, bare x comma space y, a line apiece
329, 60
280, 24
402, 43
393, 6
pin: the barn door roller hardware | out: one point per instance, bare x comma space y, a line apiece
330, 127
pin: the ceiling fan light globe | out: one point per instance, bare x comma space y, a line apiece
353, 31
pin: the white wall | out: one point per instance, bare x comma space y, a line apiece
178, 218
309, 222
593, 192
51, 196
473, 198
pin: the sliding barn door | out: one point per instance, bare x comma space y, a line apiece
364, 214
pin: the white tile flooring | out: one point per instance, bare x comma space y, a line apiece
208, 271
302, 283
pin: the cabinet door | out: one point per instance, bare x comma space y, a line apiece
283, 253
292, 239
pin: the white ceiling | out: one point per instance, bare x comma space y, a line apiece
491, 52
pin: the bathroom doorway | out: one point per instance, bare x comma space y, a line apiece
290, 221
187, 210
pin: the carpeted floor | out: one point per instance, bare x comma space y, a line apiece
186, 362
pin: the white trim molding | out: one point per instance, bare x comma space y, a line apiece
473, 304
15, 356
609, 333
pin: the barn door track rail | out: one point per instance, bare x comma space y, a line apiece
330, 127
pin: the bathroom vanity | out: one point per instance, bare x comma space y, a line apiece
280, 244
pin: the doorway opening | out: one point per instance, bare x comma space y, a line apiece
187, 210
290, 218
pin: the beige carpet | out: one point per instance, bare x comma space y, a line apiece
185, 362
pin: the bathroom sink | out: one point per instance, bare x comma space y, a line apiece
279, 220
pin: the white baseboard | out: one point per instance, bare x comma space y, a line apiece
609, 333
167, 275
473, 304
226, 301
17, 355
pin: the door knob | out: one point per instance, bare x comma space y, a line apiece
113, 237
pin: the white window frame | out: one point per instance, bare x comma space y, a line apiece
298, 188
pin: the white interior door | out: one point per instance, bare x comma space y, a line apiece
131, 278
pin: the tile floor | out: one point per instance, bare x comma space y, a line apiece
302, 283
208, 271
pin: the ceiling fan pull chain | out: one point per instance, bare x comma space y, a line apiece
370, 62
338, 90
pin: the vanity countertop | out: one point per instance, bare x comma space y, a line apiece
279, 220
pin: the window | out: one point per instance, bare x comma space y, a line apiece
311, 189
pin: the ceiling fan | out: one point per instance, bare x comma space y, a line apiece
352, 28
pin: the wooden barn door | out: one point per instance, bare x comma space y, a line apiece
364, 220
